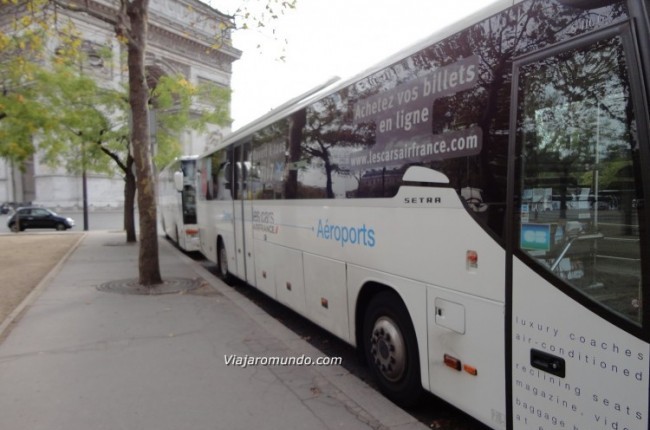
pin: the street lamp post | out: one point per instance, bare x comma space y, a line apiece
84, 186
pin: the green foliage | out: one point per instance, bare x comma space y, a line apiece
22, 47
31, 76
89, 120
49, 106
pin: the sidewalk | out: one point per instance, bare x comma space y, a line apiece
85, 359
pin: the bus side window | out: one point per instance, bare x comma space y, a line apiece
205, 175
215, 174
213, 187
223, 184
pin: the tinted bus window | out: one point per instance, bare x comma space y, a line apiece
579, 174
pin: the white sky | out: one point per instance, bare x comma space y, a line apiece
330, 38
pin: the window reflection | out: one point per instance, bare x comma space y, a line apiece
578, 174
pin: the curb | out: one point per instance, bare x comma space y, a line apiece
5, 327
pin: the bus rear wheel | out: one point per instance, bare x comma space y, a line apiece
390, 348
222, 262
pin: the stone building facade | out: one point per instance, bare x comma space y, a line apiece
181, 40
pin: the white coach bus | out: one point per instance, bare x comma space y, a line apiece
449, 213
177, 202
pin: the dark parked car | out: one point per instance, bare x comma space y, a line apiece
33, 217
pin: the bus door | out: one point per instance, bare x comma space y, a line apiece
243, 213
578, 267
248, 194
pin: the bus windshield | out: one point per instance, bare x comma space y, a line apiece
188, 195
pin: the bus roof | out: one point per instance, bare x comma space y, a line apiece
281, 109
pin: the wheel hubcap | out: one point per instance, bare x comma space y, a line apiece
387, 349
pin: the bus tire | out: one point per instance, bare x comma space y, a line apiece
222, 262
391, 349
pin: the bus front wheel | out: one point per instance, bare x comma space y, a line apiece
391, 349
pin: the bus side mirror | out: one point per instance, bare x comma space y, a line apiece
178, 181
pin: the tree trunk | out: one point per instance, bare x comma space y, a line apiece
149, 266
129, 201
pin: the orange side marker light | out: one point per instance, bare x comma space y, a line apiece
470, 369
452, 362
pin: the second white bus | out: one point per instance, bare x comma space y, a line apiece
177, 202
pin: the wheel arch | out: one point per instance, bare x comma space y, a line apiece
364, 284
374, 299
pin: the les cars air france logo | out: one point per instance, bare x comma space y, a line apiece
265, 221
